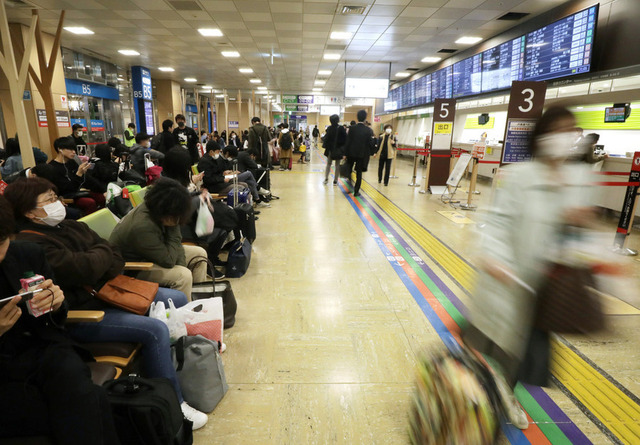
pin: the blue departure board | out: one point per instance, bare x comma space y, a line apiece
562, 48
409, 95
441, 84
467, 76
503, 64
423, 90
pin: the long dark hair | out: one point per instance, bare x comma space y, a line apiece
177, 165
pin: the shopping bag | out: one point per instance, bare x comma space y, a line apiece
171, 317
204, 317
204, 221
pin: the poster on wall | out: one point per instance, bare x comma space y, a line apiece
97, 125
82, 122
525, 108
62, 117
234, 124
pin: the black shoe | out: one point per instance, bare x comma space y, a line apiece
256, 212
275, 197
218, 275
218, 262
386, 185
379, 181
356, 194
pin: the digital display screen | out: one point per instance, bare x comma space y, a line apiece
390, 104
366, 88
467, 76
441, 84
615, 114
423, 90
408, 91
502, 64
562, 48
148, 116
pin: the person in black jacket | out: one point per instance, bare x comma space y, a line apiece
46, 386
186, 137
105, 170
358, 148
76, 134
166, 140
333, 143
69, 177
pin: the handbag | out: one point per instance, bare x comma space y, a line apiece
567, 303
127, 293
211, 289
345, 169
239, 258
200, 372
204, 221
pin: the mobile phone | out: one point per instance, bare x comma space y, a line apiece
26, 296
91, 165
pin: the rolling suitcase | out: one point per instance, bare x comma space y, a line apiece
237, 196
246, 222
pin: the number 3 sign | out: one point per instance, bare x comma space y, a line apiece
527, 99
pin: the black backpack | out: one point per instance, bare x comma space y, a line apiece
147, 412
285, 141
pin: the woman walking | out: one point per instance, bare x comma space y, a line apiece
333, 143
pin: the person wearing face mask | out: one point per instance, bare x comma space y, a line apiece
235, 141
139, 149
386, 153
186, 137
81, 145
534, 204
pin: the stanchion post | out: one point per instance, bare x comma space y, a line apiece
425, 173
472, 186
414, 180
628, 212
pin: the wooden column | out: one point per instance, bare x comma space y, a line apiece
45, 79
226, 112
197, 98
239, 100
17, 79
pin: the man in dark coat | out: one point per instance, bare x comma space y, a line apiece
358, 148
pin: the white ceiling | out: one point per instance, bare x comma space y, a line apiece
296, 32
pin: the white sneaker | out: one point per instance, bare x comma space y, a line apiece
514, 412
264, 192
262, 204
223, 348
198, 418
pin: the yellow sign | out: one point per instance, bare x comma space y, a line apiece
456, 217
443, 127
472, 123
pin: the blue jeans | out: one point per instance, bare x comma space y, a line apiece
122, 326
247, 177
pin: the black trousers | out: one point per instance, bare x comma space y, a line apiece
48, 391
359, 165
382, 163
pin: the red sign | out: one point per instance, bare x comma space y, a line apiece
455, 151
3, 185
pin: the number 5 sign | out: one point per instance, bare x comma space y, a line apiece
525, 107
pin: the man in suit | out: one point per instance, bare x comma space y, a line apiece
357, 148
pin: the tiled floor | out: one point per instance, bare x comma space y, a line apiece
326, 337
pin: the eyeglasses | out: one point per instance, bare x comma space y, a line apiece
50, 199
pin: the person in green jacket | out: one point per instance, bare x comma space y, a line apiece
151, 232
130, 135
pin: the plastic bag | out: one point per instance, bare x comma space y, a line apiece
172, 317
113, 190
204, 222
204, 317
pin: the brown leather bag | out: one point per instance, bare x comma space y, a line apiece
567, 303
128, 293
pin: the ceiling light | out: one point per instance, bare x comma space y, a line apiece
337, 35
331, 56
210, 32
206, 87
262, 88
246, 70
468, 40
255, 81
166, 68
128, 52
220, 96
324, 72
190, 79
403, 74
317, 89
431, 59
78, 30
231, 53
320, 82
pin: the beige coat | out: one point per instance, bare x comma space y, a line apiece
391, 150
522, 233
285, 153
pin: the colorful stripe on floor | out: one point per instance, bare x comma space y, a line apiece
444, 310
613, 408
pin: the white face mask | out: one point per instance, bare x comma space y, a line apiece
216, 156
147, 144
388, 130
80, 133
55, 213
555, 145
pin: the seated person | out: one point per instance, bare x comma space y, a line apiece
178, 167
46, 388
13, 163
151, 232
80, 258
230, 153
105, 170
247, 162
139, 149
69, 177
120, 150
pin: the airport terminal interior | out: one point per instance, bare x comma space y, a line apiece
349, 294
